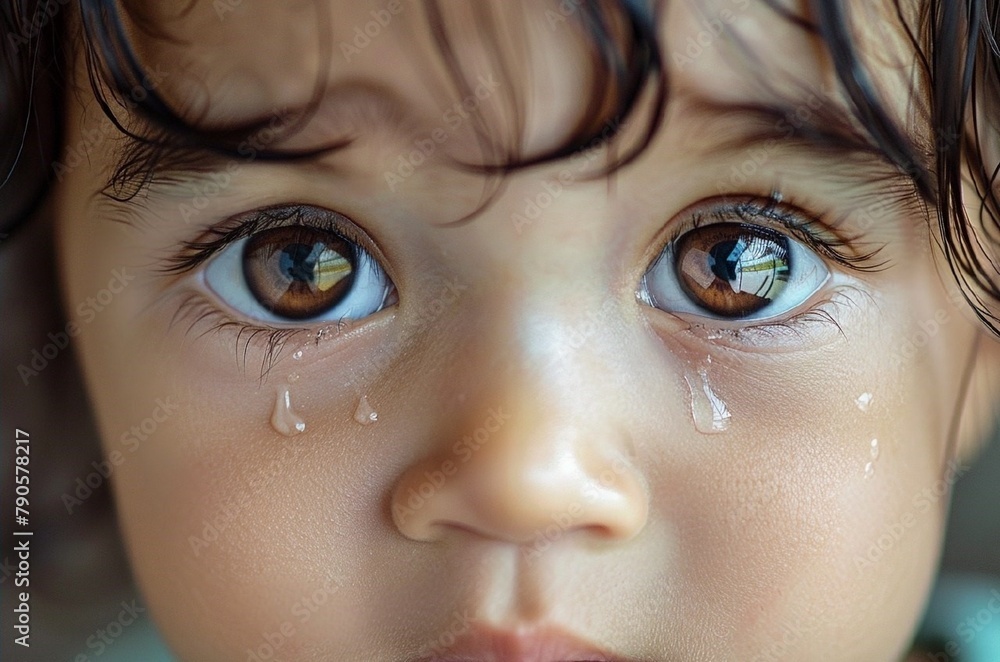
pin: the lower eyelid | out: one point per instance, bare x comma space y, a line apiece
198, 317
254, 348
826, 319
192, 309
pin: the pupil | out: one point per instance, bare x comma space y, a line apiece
298, 261
725, 259
733, 270
298, 272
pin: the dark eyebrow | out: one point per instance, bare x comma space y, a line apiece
821, 125
152, 155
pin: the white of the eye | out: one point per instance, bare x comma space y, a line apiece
661, 288
223, 275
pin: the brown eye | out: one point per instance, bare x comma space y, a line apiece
298, 272
732, 270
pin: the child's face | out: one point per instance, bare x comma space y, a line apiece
520, 431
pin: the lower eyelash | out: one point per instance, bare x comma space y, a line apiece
797, 327
203, 319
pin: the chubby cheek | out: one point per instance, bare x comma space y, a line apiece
246, 534
793, 548
812, 524
243, 535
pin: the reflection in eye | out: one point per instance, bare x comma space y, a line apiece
733, 271
297, 273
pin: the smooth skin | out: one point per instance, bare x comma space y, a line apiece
543, 410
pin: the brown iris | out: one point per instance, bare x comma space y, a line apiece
732, 269
298, 272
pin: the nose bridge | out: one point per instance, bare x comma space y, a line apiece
538, 444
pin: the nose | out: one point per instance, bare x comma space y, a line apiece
537, 454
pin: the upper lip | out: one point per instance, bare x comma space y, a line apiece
533, 644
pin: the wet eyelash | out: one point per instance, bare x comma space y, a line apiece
797, 325
195, 253
817, 232
196, 310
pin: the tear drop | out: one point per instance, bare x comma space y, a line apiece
711, 415
297, 355
365, 414
864, 401
283, 418
869, 470
874, 449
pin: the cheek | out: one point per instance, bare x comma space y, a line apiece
226, 518
822, 502
804, 550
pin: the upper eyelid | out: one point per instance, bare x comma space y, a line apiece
195, 253
789, 218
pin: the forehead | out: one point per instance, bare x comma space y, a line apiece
231, 60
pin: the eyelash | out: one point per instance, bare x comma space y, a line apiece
271, 340
798, 324
195, 253
815, 232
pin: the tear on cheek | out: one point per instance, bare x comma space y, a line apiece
710, 413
